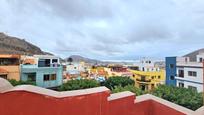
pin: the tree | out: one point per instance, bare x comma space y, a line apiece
70, 60
15, 83
131, 88
115, 81
188, 98
78, 84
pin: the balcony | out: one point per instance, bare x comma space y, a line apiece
36, 66
143, 80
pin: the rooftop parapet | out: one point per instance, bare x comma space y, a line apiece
33, 100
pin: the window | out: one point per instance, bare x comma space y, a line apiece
181, 84
159, 77
192, 87
9, 61
192, 73
171, 66
181, 73
171, 77
32, 77
201, 59
44, 63
50, 77
152, 86
53, 76
3, 76
152, 77
46, 77
54, 60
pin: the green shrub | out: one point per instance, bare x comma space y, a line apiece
115, 81
15, 83
131, 88
188, 98
78, 84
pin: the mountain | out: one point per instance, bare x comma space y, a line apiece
193, 54
78, 58
14, 45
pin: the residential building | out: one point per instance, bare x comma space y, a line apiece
118, 70
147, 76
44, 70
10, 67
98, 73
182, 72
76, 70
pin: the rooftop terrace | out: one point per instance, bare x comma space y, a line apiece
32, 100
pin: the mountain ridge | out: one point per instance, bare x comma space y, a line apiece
14, 45
192, 55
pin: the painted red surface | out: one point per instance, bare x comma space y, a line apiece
26, 103
150, 107
123, 106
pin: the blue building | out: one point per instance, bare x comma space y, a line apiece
45, 71
186, 72
171, 70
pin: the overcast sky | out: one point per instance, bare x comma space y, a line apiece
107, 29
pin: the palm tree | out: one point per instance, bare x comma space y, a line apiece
70, 60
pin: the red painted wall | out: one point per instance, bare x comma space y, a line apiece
150, 107
123, 106
26, 103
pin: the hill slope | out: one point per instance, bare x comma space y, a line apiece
193, 54
78, 58
13, 45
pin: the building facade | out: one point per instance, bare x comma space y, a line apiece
184, 73
44, 70
76, 70
146, 75
10, 67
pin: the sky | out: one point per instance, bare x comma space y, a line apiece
107, 29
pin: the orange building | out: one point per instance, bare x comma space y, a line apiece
10, 66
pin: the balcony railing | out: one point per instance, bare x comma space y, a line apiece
143, 80
36, 66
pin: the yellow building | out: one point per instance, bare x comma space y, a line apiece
148, 80
98, 72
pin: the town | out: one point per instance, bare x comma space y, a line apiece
146, 75
49, 72
101, 57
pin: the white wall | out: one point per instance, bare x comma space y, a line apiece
198, 78
186, 84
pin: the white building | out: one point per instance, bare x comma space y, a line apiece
147, 64
190, 74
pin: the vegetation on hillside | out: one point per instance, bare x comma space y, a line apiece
188, 98
113, 82
131, 88
78, 84
15, 83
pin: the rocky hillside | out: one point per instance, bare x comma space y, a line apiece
193, 54
13, 45
78, 58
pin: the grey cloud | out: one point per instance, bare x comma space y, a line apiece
80, 9
119, 28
